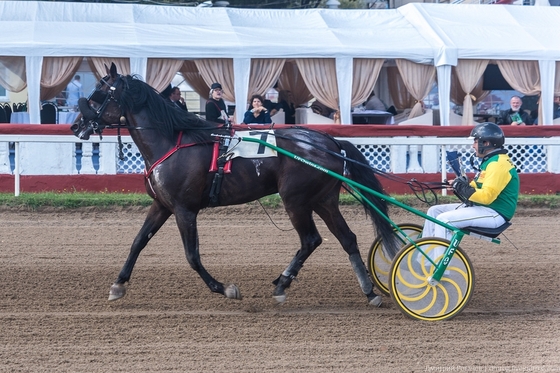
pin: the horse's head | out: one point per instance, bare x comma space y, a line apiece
101, 109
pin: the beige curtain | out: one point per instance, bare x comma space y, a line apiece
97, 65
218, 70
161, 71
457, 95
402, 99
14, 79
319, 75
469, 73
523, 76
418, 79
291, 80
264, 73
194, 79
57, 72
366, 72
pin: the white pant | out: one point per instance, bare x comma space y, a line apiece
460, 216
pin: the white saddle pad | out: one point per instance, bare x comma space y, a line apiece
248, 149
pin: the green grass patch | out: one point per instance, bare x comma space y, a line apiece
33, 201
73, 200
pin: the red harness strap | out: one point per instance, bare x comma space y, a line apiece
214, 162
147, 173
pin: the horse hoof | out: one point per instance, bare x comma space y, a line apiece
117, 291
232, 292
279, 298
376, 301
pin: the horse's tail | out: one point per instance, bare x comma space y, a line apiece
362, 173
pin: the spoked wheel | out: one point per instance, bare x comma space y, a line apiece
379, 263
410, 289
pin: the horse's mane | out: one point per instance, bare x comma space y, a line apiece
138, 95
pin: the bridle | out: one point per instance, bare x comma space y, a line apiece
91, 121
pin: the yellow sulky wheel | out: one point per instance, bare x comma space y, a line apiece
415, 296
379, 264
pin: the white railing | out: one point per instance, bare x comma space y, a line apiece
56, 154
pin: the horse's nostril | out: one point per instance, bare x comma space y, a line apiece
85, 134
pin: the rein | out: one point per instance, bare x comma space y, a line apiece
420, 189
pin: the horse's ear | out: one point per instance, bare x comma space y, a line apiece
106, 69
113, 71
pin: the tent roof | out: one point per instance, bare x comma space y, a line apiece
133, 30
419, 32
490, 31
416, 31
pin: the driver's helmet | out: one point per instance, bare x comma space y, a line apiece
490, 132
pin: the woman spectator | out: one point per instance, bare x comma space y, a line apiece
286, 103
257, 113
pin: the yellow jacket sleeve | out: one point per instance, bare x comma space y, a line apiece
494, 179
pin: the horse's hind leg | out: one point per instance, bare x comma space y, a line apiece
331, 215
157, 216
302, 220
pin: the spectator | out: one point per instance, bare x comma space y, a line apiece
74, 92
257, 113
177, 99
286, 103
269, 105
216, 110
374, 103
515, 116
556, 112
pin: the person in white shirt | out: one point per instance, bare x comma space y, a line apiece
374, 103
74, 92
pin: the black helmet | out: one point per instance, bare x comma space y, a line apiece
490, 132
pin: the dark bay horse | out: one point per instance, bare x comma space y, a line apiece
177, 150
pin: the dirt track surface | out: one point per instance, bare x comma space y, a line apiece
57, 267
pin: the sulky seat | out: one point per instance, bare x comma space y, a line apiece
490, 232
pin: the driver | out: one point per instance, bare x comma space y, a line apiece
490, 199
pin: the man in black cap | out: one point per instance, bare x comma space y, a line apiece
216, 110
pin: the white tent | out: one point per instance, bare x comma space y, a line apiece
495, 32
426, 33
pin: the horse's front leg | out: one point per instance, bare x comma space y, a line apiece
157, 216
186, 221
